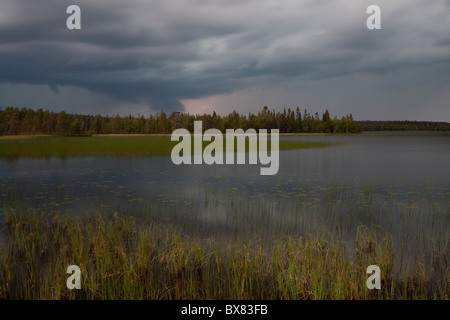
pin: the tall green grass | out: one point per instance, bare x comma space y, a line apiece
125, 257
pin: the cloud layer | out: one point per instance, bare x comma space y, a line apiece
159, 53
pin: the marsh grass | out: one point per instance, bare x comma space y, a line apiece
126, 257
140, 145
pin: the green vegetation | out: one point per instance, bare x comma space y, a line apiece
109, 146
15, 121
123, 257
268, 247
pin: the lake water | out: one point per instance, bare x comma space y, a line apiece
403, 161
397, 183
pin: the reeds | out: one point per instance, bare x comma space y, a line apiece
126, 257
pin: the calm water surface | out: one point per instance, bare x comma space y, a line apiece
398, 183
401, 162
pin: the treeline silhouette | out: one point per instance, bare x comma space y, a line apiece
28, 121
403, 126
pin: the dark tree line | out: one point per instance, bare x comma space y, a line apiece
403, 126
29, 121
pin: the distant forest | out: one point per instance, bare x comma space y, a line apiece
403, 126
28, 121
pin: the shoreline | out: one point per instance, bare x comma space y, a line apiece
21, 137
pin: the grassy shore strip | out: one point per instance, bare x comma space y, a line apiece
25, 137
110, 146
123, 257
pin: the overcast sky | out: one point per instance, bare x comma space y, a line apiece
139, 56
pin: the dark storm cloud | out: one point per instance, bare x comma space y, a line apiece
157, 53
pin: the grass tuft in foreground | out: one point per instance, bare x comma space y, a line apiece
123, 257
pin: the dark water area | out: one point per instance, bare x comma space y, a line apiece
401, 162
